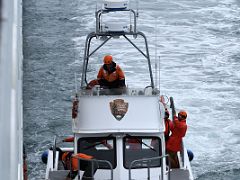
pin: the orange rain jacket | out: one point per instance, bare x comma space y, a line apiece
110, 77
75, 159
174, 143
67, 155
168, 128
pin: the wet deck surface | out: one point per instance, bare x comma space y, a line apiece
58, 175
179, 174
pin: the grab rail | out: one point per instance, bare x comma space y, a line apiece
101, 11
91, 160
182, 155
54, 148
148, 160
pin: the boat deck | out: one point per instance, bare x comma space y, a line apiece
179, 174
58, 175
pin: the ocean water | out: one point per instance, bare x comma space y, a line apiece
196, 44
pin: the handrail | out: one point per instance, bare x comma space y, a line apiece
182, 154
147, 55
54, 150
148, 160
101, 11
91, 160
87, 54
109, 35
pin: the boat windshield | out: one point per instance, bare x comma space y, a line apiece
137, 147
101, 148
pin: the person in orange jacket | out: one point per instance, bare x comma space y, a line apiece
174, 144
110, 75
88, 167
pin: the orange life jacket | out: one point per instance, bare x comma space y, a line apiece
174, 143
110, 77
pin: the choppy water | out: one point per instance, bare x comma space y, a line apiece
199, 49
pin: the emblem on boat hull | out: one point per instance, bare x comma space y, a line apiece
118, 108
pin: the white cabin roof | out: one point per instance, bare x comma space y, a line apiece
143, 114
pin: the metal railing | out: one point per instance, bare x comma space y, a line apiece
148, 161
54, 148
92, 166
99, 13
88, 54
182, 155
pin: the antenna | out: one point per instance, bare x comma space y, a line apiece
156, 68
159, 73
137, 7
75, 78
130, 7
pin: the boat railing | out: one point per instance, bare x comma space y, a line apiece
99, 13
97, 161
182, 155
54, 151
148, 161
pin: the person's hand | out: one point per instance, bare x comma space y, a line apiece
162, 100
92, 83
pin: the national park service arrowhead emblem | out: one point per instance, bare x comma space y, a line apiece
118, 108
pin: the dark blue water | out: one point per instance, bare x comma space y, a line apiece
198, 42
48, 80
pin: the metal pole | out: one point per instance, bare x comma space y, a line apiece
79, 168
71, 166
85, 59
145, 55
148, 169
148, 58
54, 151
99, 47
169, 166
135, 20
134, 45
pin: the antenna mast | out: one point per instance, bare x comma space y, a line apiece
137, 7
75, 79
156, 64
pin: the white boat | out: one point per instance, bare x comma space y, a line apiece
122, 130
11, 91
